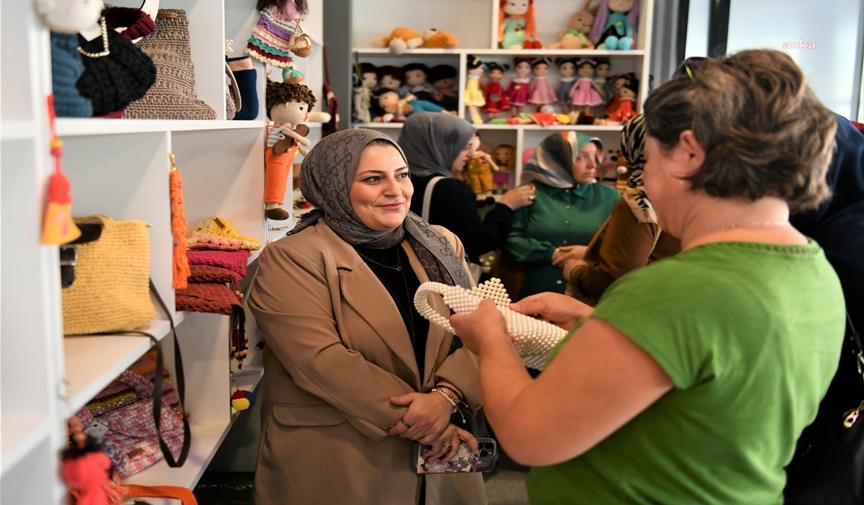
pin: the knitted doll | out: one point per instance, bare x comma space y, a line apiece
626, 102
516, 28
494, 93
443, 79
504, 157
566, 72
288, 105
614, 27
391, 77
519, 90
478, 173
601, 79
576, 36
615, 84
541, 91
364, 85
273, 41
69, 16
416, 82
585, 92
473, 93
395, 107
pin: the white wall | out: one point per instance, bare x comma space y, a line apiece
833, 27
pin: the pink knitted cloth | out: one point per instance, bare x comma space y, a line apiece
232, 260
214, 298
206, 273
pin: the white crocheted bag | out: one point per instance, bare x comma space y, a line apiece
533, 338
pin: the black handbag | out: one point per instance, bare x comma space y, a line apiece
828, 466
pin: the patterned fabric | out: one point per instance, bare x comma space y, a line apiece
325, 180
432, 141
207, 273
552, 161
633, 149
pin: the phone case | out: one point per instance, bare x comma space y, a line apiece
464, 461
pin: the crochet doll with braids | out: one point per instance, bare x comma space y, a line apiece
273, 39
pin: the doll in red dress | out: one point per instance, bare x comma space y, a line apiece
494, 92
519, 90
626, 108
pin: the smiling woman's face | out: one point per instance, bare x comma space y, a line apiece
381, 191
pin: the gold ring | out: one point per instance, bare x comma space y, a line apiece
447, 446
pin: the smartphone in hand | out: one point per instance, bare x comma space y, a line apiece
464, 461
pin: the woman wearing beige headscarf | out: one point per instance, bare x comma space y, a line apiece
350, 366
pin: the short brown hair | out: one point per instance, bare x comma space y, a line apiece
284, 92
763, 130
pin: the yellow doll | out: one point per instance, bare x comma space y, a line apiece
473, 92
478, 173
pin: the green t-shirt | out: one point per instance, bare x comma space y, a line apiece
750, 335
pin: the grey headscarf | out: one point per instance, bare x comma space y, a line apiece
431, 142
325, 181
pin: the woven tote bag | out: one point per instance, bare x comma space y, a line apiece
173, 95
111, 291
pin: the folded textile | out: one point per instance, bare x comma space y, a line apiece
232, 260
215, 298
207, 273
199, 240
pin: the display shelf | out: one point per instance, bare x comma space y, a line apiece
503, 52
18, 436
94, 361
87, 127
16, 130
206, 438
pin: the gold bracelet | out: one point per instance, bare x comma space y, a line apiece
446, 393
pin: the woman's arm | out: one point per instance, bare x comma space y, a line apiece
598, 382
625, 245
291, 300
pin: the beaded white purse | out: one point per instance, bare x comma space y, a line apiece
533, 338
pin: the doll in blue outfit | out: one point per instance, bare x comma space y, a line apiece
614, 27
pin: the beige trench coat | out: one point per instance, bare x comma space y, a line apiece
336, 351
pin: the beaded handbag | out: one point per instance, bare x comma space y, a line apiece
533, 338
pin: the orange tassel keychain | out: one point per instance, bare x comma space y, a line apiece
179, 228
57, 225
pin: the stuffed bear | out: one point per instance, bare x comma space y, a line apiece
438, 39
399, 40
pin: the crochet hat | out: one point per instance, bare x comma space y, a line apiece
220, 227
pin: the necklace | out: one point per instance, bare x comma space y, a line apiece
740, 224
398, 266
105, 50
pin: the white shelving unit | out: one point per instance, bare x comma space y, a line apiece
119, 168
476, 27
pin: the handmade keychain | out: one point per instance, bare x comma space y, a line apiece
240, 398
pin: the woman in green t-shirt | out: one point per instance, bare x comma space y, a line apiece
693, 377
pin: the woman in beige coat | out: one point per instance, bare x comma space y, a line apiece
349, 365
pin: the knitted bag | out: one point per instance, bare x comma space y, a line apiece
173, 95
66, 69
220, 227
232, 260
127, 432
111, 291
116, 72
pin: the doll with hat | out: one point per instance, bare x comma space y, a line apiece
274, 39
288, 105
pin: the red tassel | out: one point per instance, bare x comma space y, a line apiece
57, 225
